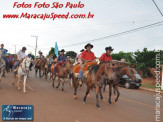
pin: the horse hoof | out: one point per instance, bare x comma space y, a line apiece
25, 92
116, 100
75, 97
98, 107
110, 102
103, 100
18, 88
53, 85
62, 89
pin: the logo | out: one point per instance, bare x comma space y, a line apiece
17, 112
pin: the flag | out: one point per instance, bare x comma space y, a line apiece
56, 49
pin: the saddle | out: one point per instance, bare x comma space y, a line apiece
85, 68
59, 65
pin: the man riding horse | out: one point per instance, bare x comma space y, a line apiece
50, 60
86, 56
106, 57
78, 57
4, 53
40, 59
19, 58
60, 61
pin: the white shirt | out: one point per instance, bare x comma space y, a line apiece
21, 55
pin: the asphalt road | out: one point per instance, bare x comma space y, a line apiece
53, 105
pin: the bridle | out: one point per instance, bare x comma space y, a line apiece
106, 70
26, 67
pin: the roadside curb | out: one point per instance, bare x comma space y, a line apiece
151, 90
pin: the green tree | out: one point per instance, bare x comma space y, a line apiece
52, 52
71, 54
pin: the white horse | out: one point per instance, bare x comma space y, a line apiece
2, 65
23, 70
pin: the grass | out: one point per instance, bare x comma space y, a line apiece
148, 86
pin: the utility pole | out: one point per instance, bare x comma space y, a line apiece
36, 44
15, 48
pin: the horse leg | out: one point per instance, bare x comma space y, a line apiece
1, 76
18, 82
114, 90
36, 70
14, 77
110, 93
87, 92
58, 82
63, 82
118, 93
25, 80
101, 94
53, 79
75, 85
97, 95
104, 87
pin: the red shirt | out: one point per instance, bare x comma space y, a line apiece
105, 58
87, 56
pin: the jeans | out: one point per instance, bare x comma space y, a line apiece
16, 65
81, 73
7, 62
54, 69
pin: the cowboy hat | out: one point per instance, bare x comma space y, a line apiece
62, 50
82, 50
109, 48
40, 52
24, 48
88, 45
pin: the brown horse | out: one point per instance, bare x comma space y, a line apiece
40, 65
76, 70
117, 75
47, 70
94, 79
63, 72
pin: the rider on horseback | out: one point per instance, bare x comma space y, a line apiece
106, 57
4, 53
61, 60
78, 57
40, 59
32, 57
86, 56
19, 58
50, 60
40, 55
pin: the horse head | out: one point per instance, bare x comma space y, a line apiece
108, 71
26, 62
130, 73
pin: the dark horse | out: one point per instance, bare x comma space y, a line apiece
40, 66
94, 79
117, 75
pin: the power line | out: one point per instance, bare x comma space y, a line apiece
157, 7
119, 34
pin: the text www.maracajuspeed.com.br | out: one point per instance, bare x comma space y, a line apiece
52, 16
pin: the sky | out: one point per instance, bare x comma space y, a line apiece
110, 17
